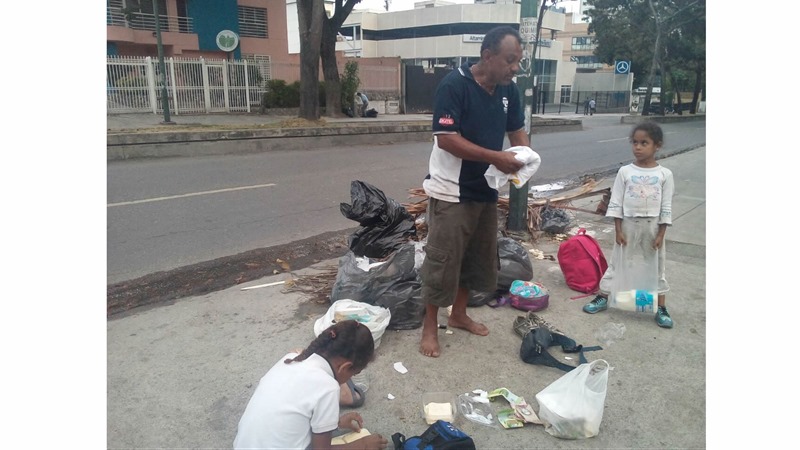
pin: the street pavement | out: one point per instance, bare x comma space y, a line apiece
180, 375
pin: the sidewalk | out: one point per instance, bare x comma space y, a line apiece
180, 375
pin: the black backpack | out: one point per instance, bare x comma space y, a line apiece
440, 435
535, 345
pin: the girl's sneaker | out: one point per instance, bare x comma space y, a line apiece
598, 304
662, 317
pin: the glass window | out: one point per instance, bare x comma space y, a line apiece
253, 22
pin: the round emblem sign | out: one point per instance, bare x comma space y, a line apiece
227, 40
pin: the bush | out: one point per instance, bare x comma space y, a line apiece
281, 95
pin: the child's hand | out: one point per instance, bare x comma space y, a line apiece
658, 242
621, 238
371, 442
346, 421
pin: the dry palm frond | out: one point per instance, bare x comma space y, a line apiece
535, 206
318, 286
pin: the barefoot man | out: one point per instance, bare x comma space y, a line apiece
475, 106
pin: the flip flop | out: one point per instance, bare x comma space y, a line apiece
355, 391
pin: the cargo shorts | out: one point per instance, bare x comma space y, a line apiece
461, 250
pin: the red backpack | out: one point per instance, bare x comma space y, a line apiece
582, 262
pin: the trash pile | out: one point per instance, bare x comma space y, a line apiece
377, 282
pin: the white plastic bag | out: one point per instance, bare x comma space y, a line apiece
376, 318
634, 272
530, 158
572, 406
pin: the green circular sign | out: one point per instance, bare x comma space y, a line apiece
227, 40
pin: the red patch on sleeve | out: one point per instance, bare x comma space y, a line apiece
446, 121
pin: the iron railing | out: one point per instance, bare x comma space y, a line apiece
192, 85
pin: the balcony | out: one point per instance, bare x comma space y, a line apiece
143, 21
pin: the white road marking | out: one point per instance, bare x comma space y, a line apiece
192, 194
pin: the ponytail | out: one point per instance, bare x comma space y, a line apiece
348, 339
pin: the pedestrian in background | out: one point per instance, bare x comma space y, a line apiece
364, 103
586, 107
296, 404
475, 107
641, 205
592, 105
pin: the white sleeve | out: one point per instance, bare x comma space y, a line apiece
617, 192
667, 190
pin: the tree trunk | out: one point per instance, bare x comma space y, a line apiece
654, 64
310, 16
698, 86
330, 70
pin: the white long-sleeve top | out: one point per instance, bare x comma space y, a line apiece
642, 192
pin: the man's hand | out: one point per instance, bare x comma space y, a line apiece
507, 162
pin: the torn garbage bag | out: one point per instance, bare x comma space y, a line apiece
385, 223
394, 285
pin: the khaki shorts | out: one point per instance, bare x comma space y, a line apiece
461, 250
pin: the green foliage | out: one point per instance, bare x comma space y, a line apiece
627, 29
281, 95
349, 81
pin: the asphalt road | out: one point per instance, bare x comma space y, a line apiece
168, 213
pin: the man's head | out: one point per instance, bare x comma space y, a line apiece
501, 52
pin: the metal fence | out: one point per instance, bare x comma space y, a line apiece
576, 102
193, 85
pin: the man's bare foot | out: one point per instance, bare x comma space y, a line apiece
466, 323
429, 345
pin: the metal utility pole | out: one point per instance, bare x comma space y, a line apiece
161, 66
526, 82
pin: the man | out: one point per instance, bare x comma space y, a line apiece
475, 106
364, 103
592, 106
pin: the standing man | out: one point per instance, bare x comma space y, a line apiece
475, 106
592, 105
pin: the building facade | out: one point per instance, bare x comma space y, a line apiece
189, 29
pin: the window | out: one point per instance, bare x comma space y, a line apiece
262, 62
566, 93
588, 62
583, 43
253, 22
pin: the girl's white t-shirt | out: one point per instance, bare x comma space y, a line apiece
642, 192
291, 401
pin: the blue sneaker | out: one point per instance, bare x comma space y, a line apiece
662, 317
598, 304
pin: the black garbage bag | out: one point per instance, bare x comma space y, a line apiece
394, 285
554, 220
515, 264
385, 224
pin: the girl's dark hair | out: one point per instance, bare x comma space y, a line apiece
652, 129
348, 339
492, 39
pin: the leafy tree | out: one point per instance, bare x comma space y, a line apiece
644, 31
318, 34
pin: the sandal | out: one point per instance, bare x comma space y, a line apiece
358, 395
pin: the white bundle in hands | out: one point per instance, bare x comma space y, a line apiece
530, 158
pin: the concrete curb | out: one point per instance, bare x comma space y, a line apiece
662, 119
200, 142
